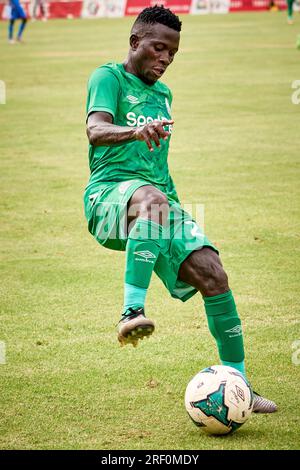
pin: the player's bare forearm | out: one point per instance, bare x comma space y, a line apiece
103, 133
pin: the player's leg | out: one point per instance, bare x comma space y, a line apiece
203, 270
21, 28
34, 10
11, 30
43, 10
147, 214
20, 14
290, 11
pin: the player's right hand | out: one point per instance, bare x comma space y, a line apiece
153, 132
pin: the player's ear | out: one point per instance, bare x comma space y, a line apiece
134, 42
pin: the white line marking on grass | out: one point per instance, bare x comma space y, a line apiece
2, 352
2, 92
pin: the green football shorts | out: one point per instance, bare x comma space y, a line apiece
106, 211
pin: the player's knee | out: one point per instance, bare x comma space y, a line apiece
214, 282
218, 280
209, 275
153, 201
153, 205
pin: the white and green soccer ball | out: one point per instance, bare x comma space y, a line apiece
219, 399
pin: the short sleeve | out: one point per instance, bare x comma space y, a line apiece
170, 97
103, 92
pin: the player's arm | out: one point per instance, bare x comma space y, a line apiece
102, 132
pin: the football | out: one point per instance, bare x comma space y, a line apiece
219, 399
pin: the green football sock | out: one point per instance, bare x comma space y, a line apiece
240, 366
225, 325
134, 297
143, 247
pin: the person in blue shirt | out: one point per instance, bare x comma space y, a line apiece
17, 13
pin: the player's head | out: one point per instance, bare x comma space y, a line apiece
154, 41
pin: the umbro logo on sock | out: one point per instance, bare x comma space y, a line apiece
236, 331
146, 256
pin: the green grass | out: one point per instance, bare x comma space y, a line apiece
66, 383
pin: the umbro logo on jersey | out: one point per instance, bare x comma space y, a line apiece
146, 256
132, 99
235, 331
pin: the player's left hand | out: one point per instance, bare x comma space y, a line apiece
153, 131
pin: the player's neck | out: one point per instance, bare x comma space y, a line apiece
130, 67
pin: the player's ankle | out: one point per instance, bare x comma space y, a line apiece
134, 309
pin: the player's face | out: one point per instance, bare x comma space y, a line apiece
154, 52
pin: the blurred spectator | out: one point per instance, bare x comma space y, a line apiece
17, 13
290, 5
39, 6
273, 6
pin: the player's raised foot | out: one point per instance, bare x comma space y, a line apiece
134, 326
263, 405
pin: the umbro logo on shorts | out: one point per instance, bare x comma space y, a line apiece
146, 256
236, 331
132, 99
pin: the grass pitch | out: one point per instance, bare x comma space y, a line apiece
66, 383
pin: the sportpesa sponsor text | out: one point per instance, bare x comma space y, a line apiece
138, 121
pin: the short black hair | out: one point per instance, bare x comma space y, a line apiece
159, 14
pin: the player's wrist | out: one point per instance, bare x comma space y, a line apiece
137, 132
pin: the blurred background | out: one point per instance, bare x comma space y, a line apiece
119, 8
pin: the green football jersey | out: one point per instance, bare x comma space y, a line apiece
133, 103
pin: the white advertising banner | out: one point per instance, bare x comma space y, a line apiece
203, 7
103, 8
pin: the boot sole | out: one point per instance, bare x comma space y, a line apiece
137, 333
